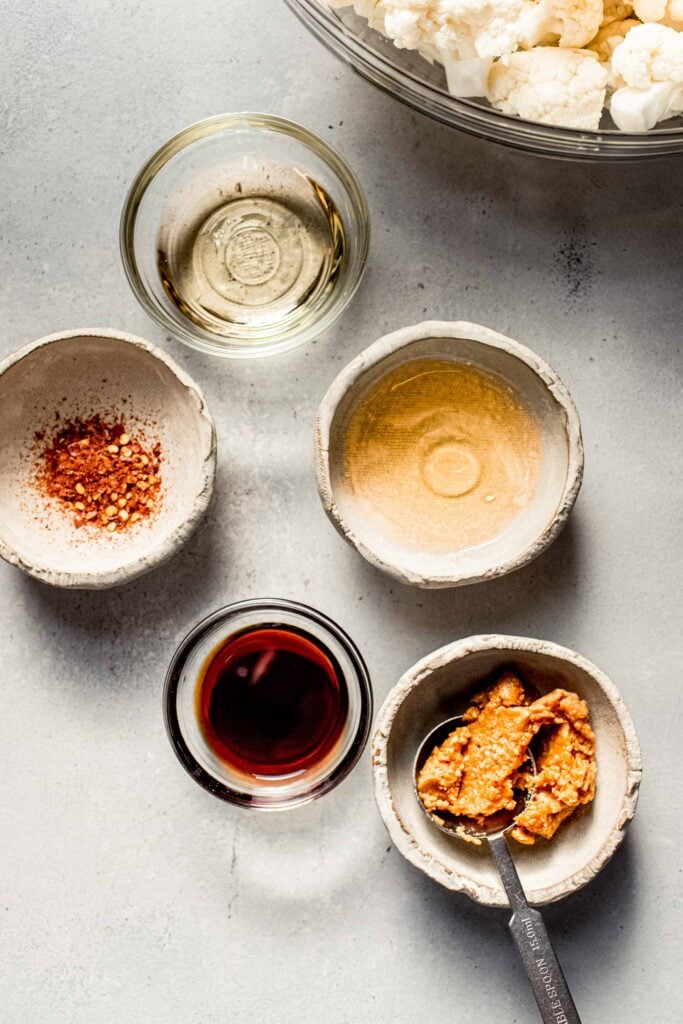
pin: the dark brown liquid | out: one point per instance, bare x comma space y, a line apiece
271, 702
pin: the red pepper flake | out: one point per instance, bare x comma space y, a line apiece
100, 473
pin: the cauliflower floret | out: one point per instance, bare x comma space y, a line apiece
606, 42
601, 46
490, 27
555, 86
649, 53
669, 12
464, 29
649, 63
615, 10
571, 23
467, 77
412, 26
638, 110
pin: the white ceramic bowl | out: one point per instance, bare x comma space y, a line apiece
79, 373
540, 389
439, 687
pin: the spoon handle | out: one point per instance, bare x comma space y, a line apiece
547, 981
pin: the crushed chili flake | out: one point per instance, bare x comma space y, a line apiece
101, 473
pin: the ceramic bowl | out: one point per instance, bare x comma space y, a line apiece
76, 374
439, 687
540, 389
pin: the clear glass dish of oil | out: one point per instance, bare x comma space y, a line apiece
245, 235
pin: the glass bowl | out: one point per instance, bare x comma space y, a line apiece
410, 78
181, 693
245, 235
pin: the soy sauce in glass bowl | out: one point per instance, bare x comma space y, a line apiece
268, 704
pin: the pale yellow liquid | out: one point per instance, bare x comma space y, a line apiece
441, 455
246, 249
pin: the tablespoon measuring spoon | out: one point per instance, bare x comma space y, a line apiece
542, 967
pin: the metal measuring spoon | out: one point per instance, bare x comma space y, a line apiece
543, 970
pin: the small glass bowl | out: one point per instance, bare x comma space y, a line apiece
186, 176
187, 739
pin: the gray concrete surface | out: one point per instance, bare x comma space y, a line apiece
129, 894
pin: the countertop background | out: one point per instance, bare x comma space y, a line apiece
130, 894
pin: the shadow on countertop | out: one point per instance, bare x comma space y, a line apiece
484, 223
598, 917
447, 158
544, 591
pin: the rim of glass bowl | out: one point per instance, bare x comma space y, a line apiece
268, 607
471, 117
296, 335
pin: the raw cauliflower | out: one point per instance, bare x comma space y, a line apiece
551, 85
571, 23
557, 58
649, 64
615, 10
649, 53
668, 12
605, 43
461, 28
467, 77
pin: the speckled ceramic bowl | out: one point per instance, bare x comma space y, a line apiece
77, 374
537, 385
439, 687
